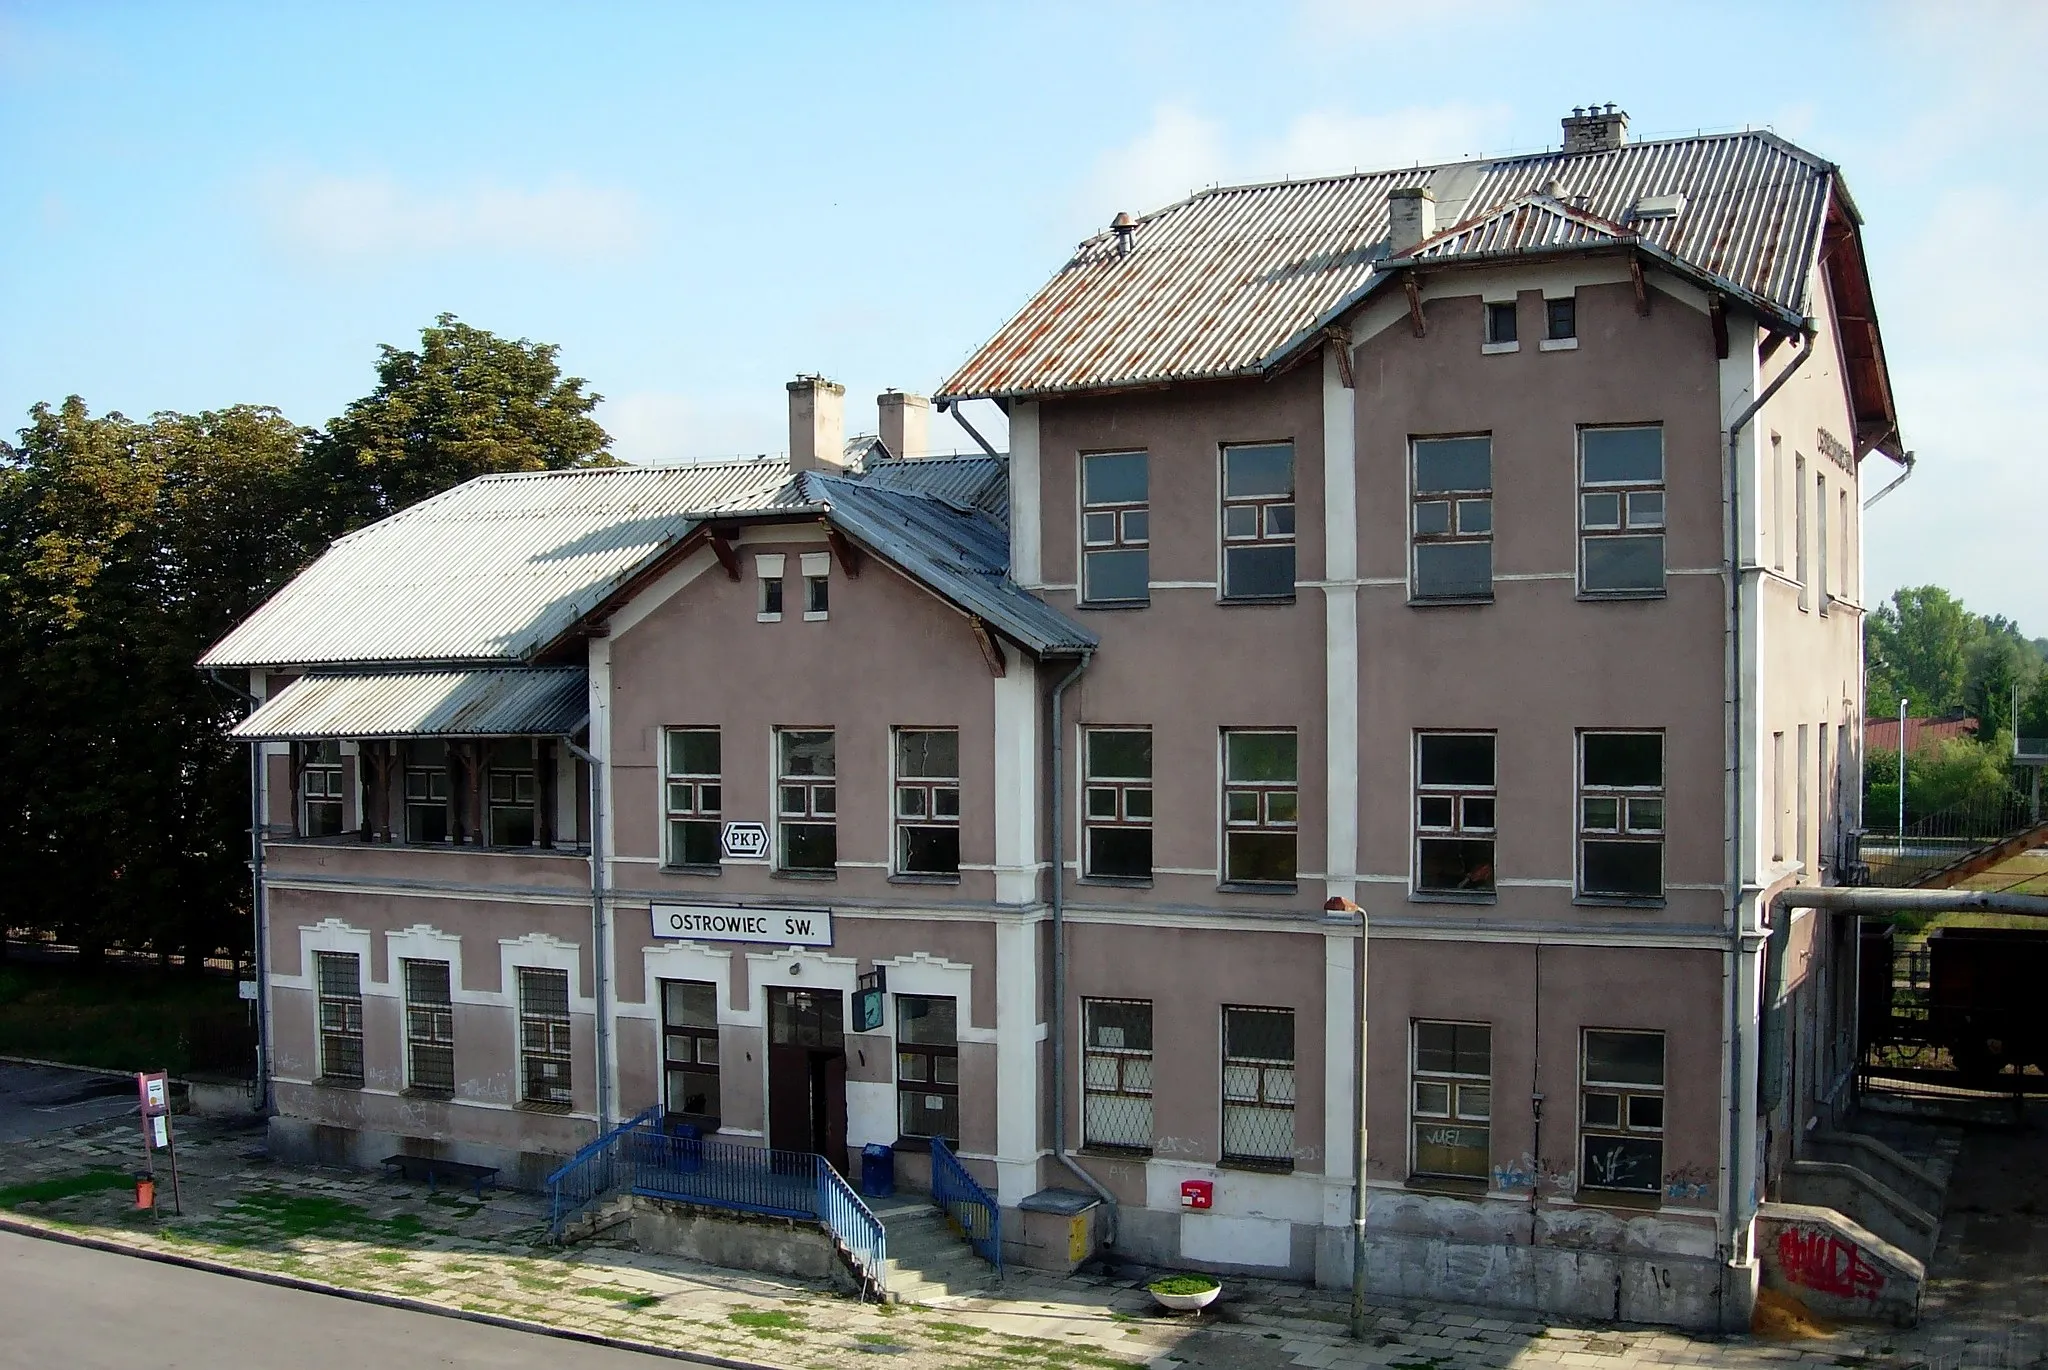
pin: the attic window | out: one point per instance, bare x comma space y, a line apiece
1659, 206
817, 568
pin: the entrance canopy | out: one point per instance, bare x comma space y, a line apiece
510, 701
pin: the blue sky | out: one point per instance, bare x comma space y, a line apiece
211, 204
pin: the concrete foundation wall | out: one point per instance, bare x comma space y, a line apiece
1857, 1196
306, 1142
1835, 1267
739, 1241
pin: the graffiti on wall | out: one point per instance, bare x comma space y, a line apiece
1828, 1264
1688, 1182
1526, 1175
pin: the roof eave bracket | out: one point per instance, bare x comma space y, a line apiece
991, 648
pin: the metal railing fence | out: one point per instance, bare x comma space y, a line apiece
970, 1206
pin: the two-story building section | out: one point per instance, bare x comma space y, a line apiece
1466, 557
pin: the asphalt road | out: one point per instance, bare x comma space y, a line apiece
39, 1099
91, 1310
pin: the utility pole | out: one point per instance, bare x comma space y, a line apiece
1902, 777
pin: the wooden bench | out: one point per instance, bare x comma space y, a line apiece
434, 1169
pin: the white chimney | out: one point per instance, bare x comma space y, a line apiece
817, 424
1411, 217
1591, 128
906, 423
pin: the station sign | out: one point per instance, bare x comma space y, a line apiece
723, 923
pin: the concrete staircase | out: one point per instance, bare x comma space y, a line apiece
929, 1260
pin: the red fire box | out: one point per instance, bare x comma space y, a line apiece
1197, 1193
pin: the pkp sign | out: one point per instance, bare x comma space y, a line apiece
722, 923
745, 841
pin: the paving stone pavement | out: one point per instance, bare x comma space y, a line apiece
363, 1232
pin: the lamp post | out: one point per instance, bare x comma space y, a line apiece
1902, 778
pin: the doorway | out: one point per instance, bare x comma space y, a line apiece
807, 1072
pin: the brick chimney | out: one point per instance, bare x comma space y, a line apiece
817, 424
906, 421
1595, 128
1411, 217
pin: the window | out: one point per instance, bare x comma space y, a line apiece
544, 1050
429, 1028
1454, 813
1258, 521
1621, 1111
1500, 323
1799, 848
1116, 533
928, 801
1116, 1073
689, 1048
1258, 1086
426, 791
1621, 815
1561, 319
1117, 809
1261, 807
1847, 563
1621, 510
1452, 518
1453, 1099
695, 796
817, 585
320, 788
1823, 811
1777, 502
768, 567
340, 976
511, 790
808, 800
1820, 533
1777, 796
927, 1067
1799, 525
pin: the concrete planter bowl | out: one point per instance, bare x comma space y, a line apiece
1185, 1293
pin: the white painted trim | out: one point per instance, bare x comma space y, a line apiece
768, 565
1026, 498
816, 615
1180, 585
1535, 575
817, 564
1016, 788
567, 899
378, 1092
1558, 345
1499, 349
630, 615
1018, 1032
1340, 1040
1340, 627
538, 951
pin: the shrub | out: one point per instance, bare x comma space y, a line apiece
1183, 1284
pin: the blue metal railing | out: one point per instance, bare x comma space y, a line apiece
972, 1208
638, 1157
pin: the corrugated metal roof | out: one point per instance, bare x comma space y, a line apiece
488, 702
1220, 284
491, 570
1533, 223
970, 482
962, 554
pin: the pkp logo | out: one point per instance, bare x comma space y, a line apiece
745, 841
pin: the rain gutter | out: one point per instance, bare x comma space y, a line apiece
600, 940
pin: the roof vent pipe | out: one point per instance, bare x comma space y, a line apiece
1123, 226
1411, 217
817, 424
1591, 128
905, 423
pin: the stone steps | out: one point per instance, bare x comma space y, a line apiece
928, 1258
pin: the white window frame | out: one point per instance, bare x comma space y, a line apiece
931, 792
1120, 792
1456, 532
1626, 828
1633, 517
345, 1021
817, 568
701, 795
810, 814
1127, 535
1267, 796
1627, 1125
1266, 514
1462, 1093
1122, 1076
546, 1039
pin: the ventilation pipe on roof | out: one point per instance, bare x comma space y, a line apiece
1591, 128
1411, 217
817, 424
905, 423
1123, 226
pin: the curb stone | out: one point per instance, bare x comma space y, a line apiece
212, 1267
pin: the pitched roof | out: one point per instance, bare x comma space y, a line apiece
491, 570
502, 567
1231, 280
493, 701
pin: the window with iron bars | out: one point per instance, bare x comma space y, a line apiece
340, 976
1258, 1087
1621, 1111
1452, 518
1258, 522
320, 793
1116, 1078
695, 796
689, 1052
544, 1049
429, 1028
927, 1067
927, 801
1453, 1099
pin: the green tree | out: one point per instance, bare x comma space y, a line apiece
466, 403
1918, 647
1997, 666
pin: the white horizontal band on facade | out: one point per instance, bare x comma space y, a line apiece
449, 1100
427, 889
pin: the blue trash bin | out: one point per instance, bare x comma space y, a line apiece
877, 1170
689, 1148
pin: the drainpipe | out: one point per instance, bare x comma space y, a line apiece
600, 941
259, 940
1907, 462
1057, 771
1742, 982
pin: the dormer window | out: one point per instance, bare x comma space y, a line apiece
817, 586
768, 566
